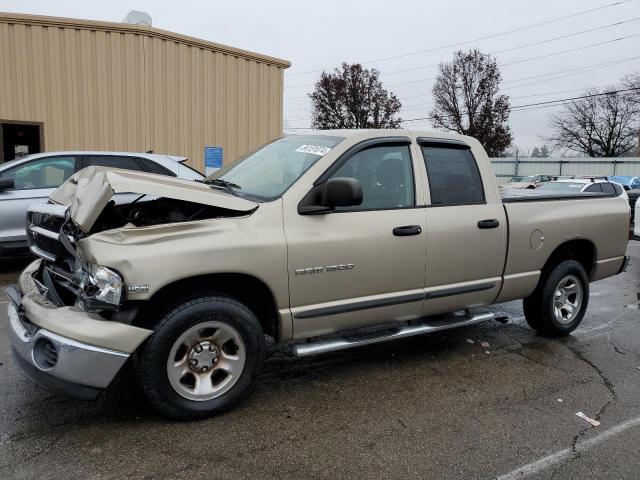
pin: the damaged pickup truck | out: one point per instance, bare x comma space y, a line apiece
331, 240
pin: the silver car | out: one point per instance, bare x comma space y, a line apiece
30, 180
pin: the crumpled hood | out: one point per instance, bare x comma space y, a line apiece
88, 191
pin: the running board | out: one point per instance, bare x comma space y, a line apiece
315, 348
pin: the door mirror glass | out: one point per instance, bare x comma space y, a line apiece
327, 196
341, 192
7, 183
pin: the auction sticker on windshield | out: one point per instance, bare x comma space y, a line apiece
315, 149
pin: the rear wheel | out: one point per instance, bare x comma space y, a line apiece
201, 358
560, 300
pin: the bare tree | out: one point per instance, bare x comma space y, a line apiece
632, 82
466, 100
353, 97
597, 125
543, 152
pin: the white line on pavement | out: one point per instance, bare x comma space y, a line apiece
555, 458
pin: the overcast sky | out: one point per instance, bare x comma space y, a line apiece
321, 34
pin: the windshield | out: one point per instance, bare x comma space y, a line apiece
11, 163
562, 186
269, 171
528, 179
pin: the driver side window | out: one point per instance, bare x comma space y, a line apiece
386, 175
48, 172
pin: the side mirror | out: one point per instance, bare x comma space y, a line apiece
341, 192
335, 192
7, 183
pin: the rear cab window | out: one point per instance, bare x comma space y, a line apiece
453, 174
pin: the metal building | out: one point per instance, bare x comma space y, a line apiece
69, 84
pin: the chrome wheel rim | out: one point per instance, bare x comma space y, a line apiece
567, 299
206, 361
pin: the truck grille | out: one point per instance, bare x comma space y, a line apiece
44, 223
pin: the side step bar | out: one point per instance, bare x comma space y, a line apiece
324, 346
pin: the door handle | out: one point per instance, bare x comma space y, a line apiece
490, 223
407, 230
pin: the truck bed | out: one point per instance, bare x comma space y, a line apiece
531, 195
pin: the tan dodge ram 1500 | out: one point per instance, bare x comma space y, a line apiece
310, 238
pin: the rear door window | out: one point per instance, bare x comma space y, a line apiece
153, 167
608, 188
112, 161
454, 178
595, 188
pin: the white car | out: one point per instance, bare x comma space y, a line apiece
31, 179
636, 228
581, 184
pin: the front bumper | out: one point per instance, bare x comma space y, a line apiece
58, 363
65, 349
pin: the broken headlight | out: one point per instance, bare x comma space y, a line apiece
105, 285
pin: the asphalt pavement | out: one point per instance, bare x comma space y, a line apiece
438, 406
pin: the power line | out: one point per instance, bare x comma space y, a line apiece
530, 59
572, 49
566, 100
528, 106
486, 37
591, 95
562, 37
577, 71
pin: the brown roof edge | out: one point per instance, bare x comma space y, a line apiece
62, 22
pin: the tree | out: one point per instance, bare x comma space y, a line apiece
633, 82
598, 125
545, 151
353, 97
466, 100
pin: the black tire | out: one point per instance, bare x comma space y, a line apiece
539, 307
150, 361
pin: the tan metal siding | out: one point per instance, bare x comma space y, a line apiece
100, 86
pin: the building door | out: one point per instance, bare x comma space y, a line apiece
19, 140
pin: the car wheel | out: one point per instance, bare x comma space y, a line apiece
560, 300
201, 358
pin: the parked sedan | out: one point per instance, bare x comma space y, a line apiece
30, 180
529, 181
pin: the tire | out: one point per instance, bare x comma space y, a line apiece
541, 309
226, 342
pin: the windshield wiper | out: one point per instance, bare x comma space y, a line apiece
228, 186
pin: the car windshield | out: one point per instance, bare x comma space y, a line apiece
562, 186
17, 161
518, 179
266, 173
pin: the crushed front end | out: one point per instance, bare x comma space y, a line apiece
60, 315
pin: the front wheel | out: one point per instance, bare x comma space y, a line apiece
201, 358
560, 300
